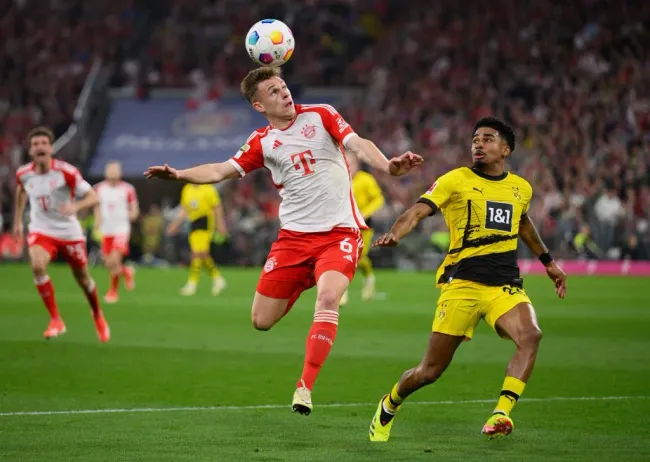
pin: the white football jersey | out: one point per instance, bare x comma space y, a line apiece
114, 201
47, 192
309, 168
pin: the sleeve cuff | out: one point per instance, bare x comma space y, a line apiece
430, 203
238, 167
347, 138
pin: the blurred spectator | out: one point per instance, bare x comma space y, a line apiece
585, 245
609, 210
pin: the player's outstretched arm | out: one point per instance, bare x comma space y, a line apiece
370, 153
528, 233
19, 210
201, 174
404, 225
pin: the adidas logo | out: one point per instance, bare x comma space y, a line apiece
349, 257
276, 144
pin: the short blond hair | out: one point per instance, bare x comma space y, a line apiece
252, 80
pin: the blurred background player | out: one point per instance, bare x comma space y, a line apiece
486, 209
319, 240
370, 200
201, 205
51, 186
117, 209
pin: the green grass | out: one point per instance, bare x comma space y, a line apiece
169, 351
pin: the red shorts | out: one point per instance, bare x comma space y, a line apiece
297, 260
73, 251
119, 243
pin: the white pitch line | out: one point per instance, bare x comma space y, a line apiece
283, 406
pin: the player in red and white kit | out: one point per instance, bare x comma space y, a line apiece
117, 208
319, 241
56, 192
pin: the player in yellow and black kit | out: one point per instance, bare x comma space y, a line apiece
486, 210
201, 205
369, 199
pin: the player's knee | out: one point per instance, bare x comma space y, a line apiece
327, 300
531, 338
261, 322
39, 267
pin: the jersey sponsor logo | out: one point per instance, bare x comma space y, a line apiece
498, 215
343, 125
270, 264
302, 161
308, 131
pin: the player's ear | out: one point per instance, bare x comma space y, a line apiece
258, 107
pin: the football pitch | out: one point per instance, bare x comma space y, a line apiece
188, 378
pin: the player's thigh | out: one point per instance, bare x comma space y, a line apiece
458, 309
509, 312
42, 249
331, 285
40, 256
200, 242
366, 235
266, 311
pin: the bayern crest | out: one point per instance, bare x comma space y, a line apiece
270, 264
309, 131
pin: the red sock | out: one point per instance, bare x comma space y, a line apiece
319, 343
91, 294
115, 282
46, 291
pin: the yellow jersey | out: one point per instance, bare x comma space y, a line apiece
367, 194
199, 202
483, 215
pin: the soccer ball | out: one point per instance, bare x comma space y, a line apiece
270, 43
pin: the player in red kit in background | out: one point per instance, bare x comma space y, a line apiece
53, 187
320, 242
117, 208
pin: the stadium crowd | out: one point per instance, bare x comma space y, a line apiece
573, 78
46, 51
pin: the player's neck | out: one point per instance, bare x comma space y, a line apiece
280, 123
493, 170
113, 182
42, 167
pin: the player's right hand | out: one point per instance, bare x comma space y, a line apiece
17, 231
558, 277
164, 172
386, 240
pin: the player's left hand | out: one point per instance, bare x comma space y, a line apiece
558, 277
68, 209
400, 165
386, 240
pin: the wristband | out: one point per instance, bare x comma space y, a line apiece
545, 258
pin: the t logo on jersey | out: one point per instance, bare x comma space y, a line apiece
303, 160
